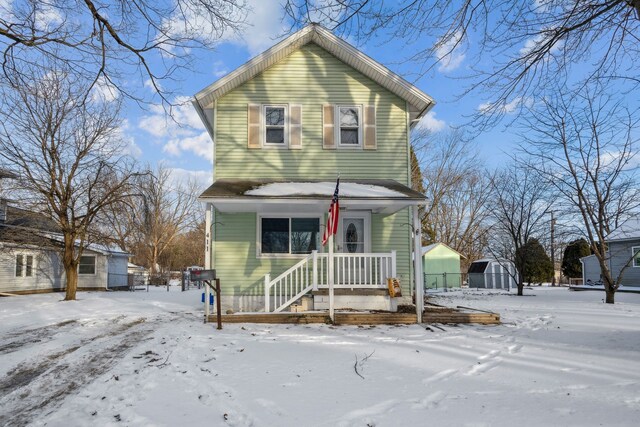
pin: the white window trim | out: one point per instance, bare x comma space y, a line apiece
95, 266
337, 127
24, 264
634, 250
263, 126
259, 217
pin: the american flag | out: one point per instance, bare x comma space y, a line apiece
332, 220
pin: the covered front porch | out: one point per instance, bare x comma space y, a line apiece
264, 241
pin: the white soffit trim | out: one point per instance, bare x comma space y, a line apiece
419, 101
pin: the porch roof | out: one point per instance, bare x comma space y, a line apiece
264, 195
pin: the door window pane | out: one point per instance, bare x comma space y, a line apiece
275, 235
353, 229
304, 235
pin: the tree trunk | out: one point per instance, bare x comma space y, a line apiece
70, 267
72, 283
520, 288
610, 296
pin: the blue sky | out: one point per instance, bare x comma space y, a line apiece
186, 147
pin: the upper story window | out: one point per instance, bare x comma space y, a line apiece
24, 265
87, 265
636, 256
350, 124
275, 125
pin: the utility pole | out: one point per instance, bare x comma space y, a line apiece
553, 251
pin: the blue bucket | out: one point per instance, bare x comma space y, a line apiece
210, 299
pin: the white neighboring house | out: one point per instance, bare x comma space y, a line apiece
29, 262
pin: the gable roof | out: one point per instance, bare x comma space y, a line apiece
629, 230
419, 102
429, 248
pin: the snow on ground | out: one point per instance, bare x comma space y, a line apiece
146, 359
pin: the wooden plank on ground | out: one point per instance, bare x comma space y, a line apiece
375, 318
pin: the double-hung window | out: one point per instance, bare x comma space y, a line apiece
350, 125
87, 265
635, 251
275, 125
24, 265
289, 235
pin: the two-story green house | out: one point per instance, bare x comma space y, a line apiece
285, 125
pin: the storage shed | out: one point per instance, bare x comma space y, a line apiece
441, 266
492, 273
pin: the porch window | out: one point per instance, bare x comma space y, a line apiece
24, 265
87, 265
275, 119
349, 120
289, 235
635, 251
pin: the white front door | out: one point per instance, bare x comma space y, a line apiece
354, 233
354, 238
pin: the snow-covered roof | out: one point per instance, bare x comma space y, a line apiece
311, 189
628, 231
347, 189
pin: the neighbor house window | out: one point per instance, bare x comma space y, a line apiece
289, 235
24, 265
636, 256
349, 121
87, 265
275, 125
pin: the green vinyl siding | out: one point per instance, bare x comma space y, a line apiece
311, 77
392, 232
242, 273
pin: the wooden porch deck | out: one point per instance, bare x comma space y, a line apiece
362, 318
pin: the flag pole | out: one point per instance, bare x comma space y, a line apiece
330, 278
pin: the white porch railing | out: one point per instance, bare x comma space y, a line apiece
360, 270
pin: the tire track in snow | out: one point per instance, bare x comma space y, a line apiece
44, 382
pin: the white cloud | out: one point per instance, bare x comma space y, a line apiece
199, 144
47, 16
505, 107
104, 91
219, 69
179, 176
536, 42
450, 52
183, 132
431, 123
130, 147
263, 25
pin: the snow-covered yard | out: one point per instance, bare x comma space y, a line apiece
140, 359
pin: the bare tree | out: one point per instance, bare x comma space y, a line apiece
109, 43
584, 144
67, 156
168, 208
530, 43
457, 187
521, 202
